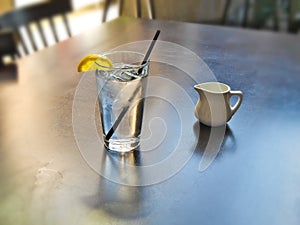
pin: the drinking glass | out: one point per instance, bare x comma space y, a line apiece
121, 92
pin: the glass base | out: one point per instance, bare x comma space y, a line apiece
122, 145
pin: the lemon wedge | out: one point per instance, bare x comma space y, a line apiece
93, 62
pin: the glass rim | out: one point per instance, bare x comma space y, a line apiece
130, 66
218, 87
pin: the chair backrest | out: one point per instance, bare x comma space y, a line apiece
24, 16
199, 11
204, 11
7, 45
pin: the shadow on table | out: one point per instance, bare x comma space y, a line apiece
9, 73
213, 142
118, 200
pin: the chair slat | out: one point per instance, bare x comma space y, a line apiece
30, 36
41, 33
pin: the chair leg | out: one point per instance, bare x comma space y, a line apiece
138, 9
151, 10
105, 10
52, 26
245, 17
275, 17
66, 22
225, 12
121, 3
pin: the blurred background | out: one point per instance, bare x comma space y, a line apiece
25, 29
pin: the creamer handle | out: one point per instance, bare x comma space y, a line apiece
239, 101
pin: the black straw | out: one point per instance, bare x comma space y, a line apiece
125, 109
150, 48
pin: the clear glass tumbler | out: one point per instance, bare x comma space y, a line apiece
121, 92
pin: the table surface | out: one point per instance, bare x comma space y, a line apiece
52, 167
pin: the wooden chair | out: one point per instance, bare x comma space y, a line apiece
167, 9
24, 16
199, 11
